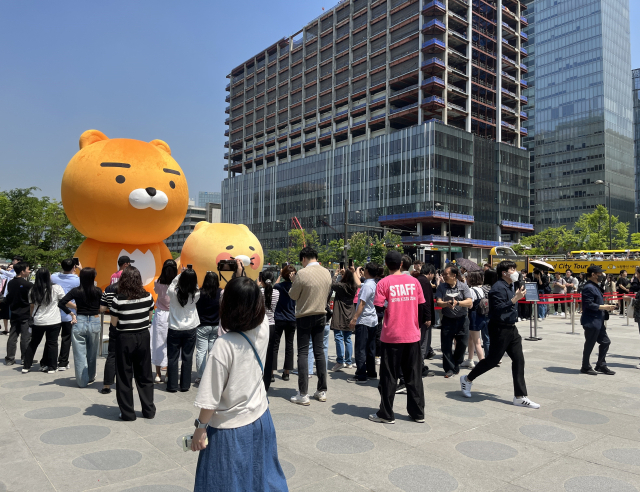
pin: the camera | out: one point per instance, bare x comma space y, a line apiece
189, 267
227, 266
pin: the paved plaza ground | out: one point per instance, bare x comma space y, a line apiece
55, 436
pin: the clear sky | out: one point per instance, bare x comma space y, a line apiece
134, 69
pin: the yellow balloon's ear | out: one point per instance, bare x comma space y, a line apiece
161, 144
90, 137
200, 225
244, 226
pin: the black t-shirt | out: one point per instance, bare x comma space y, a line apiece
86, 307
209, 309
624, 282
18, 298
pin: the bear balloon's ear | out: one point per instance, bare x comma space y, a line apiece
161, 145
90, 137
200, 225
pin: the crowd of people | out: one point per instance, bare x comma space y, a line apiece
381, 316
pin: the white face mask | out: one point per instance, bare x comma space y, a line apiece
514, 276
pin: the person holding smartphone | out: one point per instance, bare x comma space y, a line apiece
504, 336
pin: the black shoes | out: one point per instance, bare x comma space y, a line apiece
448, 374
426, 373
430, 355
285, 377
401, 389
604, 370
588, 371
273, 379
105, 391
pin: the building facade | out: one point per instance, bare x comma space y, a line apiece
635, 79
205, 197
367, 89
193, 216
580, 127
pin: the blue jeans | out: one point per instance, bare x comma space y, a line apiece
325, 343
85, 340
205, 338
343, 346
542, 308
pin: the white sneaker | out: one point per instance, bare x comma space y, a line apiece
465, 386
320, 395
524, 402
52, 371
377, 361
63, 368
638, 366
300, 399
374, 418
468, 363
24, 371
338, 367
44, 369
158, 379
349, 366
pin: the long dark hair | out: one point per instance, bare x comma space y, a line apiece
210, 284
130, 284
169, 272
87, 277
349, 280
187, 286
490, 277
242, 306
41, 291
267, 282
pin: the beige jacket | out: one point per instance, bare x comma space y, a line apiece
310, 290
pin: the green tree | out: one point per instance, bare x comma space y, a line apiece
175, 255
592, 231
36, 228
635, 240
553, 240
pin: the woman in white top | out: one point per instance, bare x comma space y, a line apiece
234, 431
160, 323
183, 326
44, 297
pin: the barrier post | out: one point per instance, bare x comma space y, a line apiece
628, 308
573, 315
101, 334
534, 313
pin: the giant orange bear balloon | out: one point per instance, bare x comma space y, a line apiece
126, 196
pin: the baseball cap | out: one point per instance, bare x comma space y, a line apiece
124, 259
594, 269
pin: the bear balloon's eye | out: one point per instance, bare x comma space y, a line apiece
172, 184
252, 248
120, 179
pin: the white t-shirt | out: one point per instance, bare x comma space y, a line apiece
48, 314
232, 381
182, 317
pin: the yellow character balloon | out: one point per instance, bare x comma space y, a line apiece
210, 243
126, 196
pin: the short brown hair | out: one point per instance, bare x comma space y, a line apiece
286, 272
475, 279
242, 307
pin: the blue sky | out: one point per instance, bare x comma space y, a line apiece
141, 69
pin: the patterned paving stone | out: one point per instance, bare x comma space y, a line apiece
547, 433
136, 399
462, 411
486, 450
627, 456
78, 434
51, 413
291, 421
597, 484
421, 478
288, 468
43, 396
344, 445
168, 417
21, 384
113, 459
408, 427
634, 390
580, 416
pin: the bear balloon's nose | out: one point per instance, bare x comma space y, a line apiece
151, 191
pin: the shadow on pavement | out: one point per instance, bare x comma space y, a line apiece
476, 396
106, 412
563, 370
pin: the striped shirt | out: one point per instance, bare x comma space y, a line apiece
133, 314
108, 295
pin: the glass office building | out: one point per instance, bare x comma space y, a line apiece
205, 197
395, 181
580, 124
635, 79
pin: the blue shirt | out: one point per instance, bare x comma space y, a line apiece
369, 317
67, 281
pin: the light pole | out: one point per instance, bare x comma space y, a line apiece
449, 230
637, 216
608, 185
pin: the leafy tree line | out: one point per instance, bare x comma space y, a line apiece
361, 245
589, 233
36, 228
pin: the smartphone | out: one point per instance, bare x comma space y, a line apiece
76, 261
187, 440
286, 263
190, 267
350, 262
342, 265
